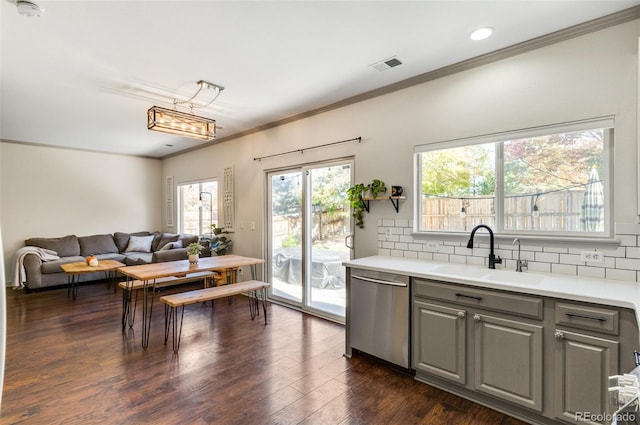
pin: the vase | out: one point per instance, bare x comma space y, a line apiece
193, 258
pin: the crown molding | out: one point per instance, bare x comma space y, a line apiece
594, 25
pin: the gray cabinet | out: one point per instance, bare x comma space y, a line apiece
496, 335
440, 341
543, 360
584, 360
508, 359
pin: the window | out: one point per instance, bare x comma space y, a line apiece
544, 181
198, 207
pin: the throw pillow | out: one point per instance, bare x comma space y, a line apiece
140, 244
177, 244
167, 246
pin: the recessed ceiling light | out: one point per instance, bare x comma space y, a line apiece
481, 33
28, 8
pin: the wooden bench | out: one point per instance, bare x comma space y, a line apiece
134, 285
173, 301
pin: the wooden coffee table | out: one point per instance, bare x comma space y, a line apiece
74, 270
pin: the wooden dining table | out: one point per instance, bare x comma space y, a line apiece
149, 273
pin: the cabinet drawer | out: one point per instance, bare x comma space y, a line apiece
587, 317
521, 305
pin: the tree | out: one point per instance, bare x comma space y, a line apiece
550, 163
459, 172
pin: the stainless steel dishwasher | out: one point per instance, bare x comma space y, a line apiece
378, 315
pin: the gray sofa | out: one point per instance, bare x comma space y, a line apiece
128, 248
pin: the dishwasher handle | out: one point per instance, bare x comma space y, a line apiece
380, 281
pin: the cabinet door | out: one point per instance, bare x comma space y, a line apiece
439, 341
508, 360
582, 365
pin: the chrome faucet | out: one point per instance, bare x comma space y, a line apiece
519, 263
492, 258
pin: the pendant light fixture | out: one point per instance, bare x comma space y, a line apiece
185, 124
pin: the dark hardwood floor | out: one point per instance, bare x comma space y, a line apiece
70, 363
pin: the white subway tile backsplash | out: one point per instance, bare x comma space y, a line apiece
633, 252
587, 271
460, 259
401, 245
425, 256
440, 257
446, 249
627, 263
415, 247
476, 261
401, 222
620, 252
564, 269
539, 267
555, 249
627, 240
622, 263
574, 259
547, 257
628, 275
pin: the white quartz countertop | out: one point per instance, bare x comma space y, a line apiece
601, 291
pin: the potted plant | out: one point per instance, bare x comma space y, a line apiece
377, 187
194, 249
219, 244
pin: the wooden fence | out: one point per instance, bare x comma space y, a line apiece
558, 211
325, 226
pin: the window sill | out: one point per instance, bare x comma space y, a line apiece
544, 241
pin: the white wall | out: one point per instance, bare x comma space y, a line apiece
590, 76
53, 192
49, 192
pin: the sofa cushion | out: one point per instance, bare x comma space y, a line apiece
163, 240
187, 239
122, 239
111, 256
168, 246
140, 243
54, 266
66, 246
136, 258
97, 244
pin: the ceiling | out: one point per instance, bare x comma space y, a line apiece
84, 74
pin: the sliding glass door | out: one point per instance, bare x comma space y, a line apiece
309, 220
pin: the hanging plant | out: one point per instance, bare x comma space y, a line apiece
356, 194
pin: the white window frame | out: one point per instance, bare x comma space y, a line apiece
602, 122
181, 200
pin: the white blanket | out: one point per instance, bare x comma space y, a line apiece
20, 275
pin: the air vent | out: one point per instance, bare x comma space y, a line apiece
386, 64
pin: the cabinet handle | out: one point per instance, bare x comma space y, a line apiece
559, 335
584, 316
461, 314
477, 317
468, 296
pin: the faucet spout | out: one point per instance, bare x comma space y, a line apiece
492, 258
519, 263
